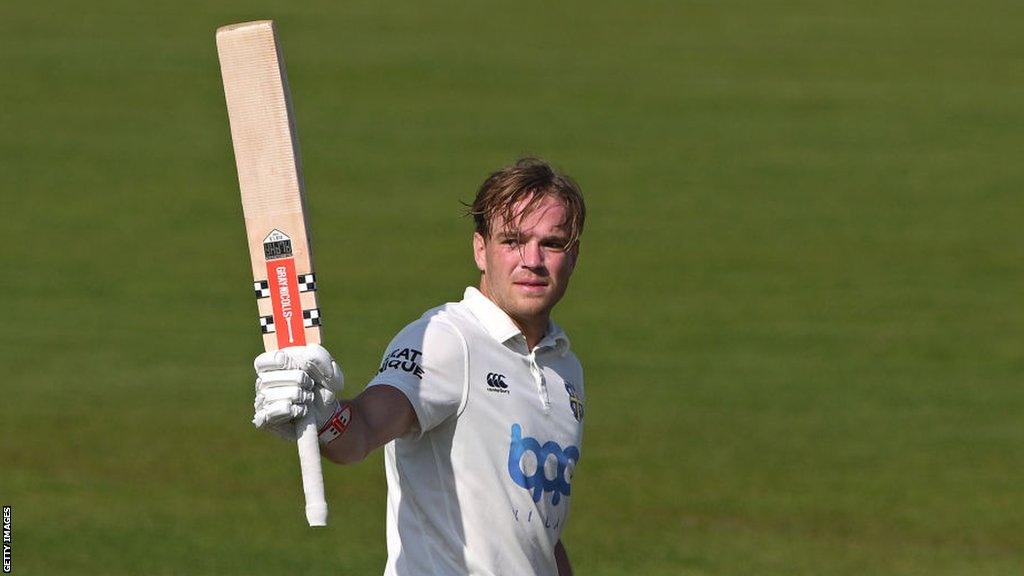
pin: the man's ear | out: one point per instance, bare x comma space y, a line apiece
479, 249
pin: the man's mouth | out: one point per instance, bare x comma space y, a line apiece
532, 285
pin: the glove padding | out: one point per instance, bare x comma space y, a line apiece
292, 382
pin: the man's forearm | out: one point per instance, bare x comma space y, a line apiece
377, 416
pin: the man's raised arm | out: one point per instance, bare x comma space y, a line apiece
377, 416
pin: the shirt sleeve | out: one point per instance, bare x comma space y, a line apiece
427, 362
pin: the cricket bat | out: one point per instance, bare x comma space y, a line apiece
273, 203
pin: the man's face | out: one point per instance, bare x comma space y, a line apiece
525, 267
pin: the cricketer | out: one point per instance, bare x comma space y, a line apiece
479, 404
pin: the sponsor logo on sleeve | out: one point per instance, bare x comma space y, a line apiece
541, 468
403, 360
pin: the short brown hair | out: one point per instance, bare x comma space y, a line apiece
531, 178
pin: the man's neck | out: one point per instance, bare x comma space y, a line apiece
533, 332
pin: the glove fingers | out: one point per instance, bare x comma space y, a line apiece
274, 413
285, 430
329, 376
277, 405
291, 394
324, 370
337, 380
318, 363
275, 360
314, 359
283, 378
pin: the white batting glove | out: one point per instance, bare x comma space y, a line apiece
292, 382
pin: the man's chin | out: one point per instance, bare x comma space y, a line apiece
529, 307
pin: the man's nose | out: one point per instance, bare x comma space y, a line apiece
532, 255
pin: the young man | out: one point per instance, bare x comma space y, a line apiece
479, 402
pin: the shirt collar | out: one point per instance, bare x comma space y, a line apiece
502, 328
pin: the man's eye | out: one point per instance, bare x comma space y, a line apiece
510, 241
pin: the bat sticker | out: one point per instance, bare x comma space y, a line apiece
277, 245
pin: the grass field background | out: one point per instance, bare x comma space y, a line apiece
798, 303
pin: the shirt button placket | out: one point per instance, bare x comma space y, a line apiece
538, 378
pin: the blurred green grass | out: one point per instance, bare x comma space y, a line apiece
797, 304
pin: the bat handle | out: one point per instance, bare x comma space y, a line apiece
312, 473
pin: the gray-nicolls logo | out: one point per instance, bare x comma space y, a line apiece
496, 383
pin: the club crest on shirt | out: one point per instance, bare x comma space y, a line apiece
575, 403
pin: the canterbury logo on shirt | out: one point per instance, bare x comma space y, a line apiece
496, 383
530, 465
404, 359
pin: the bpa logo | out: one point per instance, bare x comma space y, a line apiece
541, 468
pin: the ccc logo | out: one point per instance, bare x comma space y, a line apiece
540, 467
496, 381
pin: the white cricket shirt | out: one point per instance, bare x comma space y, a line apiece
484, 486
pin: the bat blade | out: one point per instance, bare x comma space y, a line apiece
273, 204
